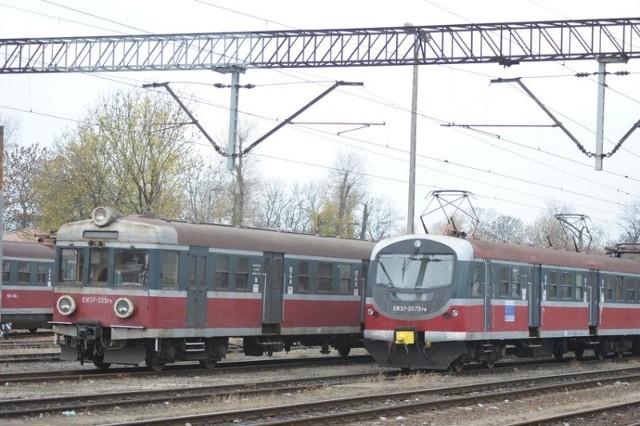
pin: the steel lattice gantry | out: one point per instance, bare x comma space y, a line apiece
504, 43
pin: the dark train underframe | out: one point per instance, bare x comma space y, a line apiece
454, 354
93, 343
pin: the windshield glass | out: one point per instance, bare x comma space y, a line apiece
414, 271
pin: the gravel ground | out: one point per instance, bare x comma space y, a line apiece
498, 413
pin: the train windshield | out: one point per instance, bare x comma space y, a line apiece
414, 271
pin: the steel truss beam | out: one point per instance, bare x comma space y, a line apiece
503, 43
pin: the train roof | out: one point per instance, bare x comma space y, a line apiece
469, 249
25, 249
147, 229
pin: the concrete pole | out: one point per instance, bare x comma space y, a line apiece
602, 67
412, 145
233, 119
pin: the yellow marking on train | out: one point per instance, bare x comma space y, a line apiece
405, 338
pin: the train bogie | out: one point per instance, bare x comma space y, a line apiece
138, 288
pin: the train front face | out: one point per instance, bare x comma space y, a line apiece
102, 307
412, 316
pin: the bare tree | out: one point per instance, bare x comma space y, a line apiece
630, 223
345, 191
205, 184
378, 219
496, 226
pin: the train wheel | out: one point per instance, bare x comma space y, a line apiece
153, 364
599, 353
490, 364
97, 361
344, 351
579, 353
33, 330
456, 365
209, 365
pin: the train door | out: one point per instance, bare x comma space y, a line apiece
360, 286
594, 298
197, 288
272, 294
488, 294
535, 296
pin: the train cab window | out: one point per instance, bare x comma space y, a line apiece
222, 272
303, 276
566, 285
99, 269
504, 282
476, 281
325, 277
618, 288
131, 267
23, 273
579, 288
242, 273
553, 285
515, 283
6, 269
345, 278
169, 274
41, 274
71, 264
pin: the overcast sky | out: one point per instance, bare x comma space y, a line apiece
514, 170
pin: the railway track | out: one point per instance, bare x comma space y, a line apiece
178, 369
370, 405
400, 404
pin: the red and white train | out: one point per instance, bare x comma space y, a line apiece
438, 302
27, 293
142, 289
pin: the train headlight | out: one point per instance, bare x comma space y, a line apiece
123, 307
66, 305
102, 216
455, 313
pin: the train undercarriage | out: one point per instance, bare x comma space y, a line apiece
455, 354
93, 343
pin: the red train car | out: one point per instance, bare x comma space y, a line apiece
139, 288
438, 302
27, 293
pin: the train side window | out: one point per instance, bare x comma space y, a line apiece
325, 277
41, 274
631, 290
222, 272
566, 285
169, 274
608, 289
303, 276
6, 268
242, 273
504, 282
553, 285
579, 287
618, 288
345, 278
515, 283
23, 273
476, 282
